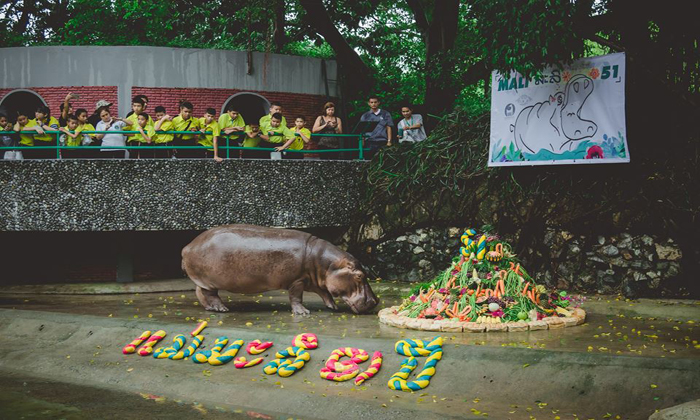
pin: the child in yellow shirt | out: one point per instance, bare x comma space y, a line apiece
301, 136
210, 125
163, 124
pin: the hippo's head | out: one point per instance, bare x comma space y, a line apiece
346, 280
578, 90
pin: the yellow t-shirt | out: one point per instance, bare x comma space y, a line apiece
148, 129
266, 120
27, 139
133, 119
73, 142
225, 121
280, 134
180, 124
207, 140
250, 141
53, 123
165, 138
298, 142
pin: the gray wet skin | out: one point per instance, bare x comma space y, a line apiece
254, 259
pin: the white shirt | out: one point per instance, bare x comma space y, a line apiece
414, 134
112, 139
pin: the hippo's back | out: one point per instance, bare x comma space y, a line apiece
245, 258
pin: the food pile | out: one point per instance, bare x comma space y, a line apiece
487, 284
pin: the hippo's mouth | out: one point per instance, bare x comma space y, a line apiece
352, 306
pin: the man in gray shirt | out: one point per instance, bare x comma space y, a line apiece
382, 134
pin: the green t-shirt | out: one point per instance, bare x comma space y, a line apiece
279, 134
266, 120
207, 140
164, 138
180, 124
52, 122
250, 141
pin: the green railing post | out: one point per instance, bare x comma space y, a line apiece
58, 149
362, 152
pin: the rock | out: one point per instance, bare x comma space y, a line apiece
424, 264
626, 255
625, 243
687, 411
454, 232
451, 326
601, 240
673, 270
596, 259
574, 249
647, 240
419, 231
637, 276
473, 327
566, 235
610, 251
537, 325
496, 327
418, 250
668, 253
554, 322
517, 326
400, 239
413, 239
570, 321
372, 230
424, 237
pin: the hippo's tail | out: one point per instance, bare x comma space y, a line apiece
512, 128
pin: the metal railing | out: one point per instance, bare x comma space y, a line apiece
150, 146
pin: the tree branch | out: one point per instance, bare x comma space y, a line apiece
419, 16
359, 74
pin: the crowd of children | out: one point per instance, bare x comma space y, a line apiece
186, 136
208, 133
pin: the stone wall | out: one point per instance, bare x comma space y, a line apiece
176, 194
633, 265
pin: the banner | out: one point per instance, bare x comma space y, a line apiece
575, 114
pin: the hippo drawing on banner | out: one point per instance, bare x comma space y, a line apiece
556, 124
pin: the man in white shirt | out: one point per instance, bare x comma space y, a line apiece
107, 123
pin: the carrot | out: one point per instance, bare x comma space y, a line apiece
455, 308
449, 313
517, 269
478, 289
470, 292
466, 310
538, 298
525, 288
430, 294
422, 297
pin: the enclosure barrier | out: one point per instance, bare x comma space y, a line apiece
360, 149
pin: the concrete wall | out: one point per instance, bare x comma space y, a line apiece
125, 67
133, 195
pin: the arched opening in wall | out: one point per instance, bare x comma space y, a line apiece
251, 105
20, 100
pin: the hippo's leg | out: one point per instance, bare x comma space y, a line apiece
296, 291
327, 299
210, 300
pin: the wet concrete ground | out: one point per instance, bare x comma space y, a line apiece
613, 325
600, 355
25, 397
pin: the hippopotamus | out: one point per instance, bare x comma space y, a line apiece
255, 259
556, 123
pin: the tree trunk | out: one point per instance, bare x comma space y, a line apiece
438, 23
280, 37
359, 75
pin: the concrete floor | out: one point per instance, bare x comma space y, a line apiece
648, 350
